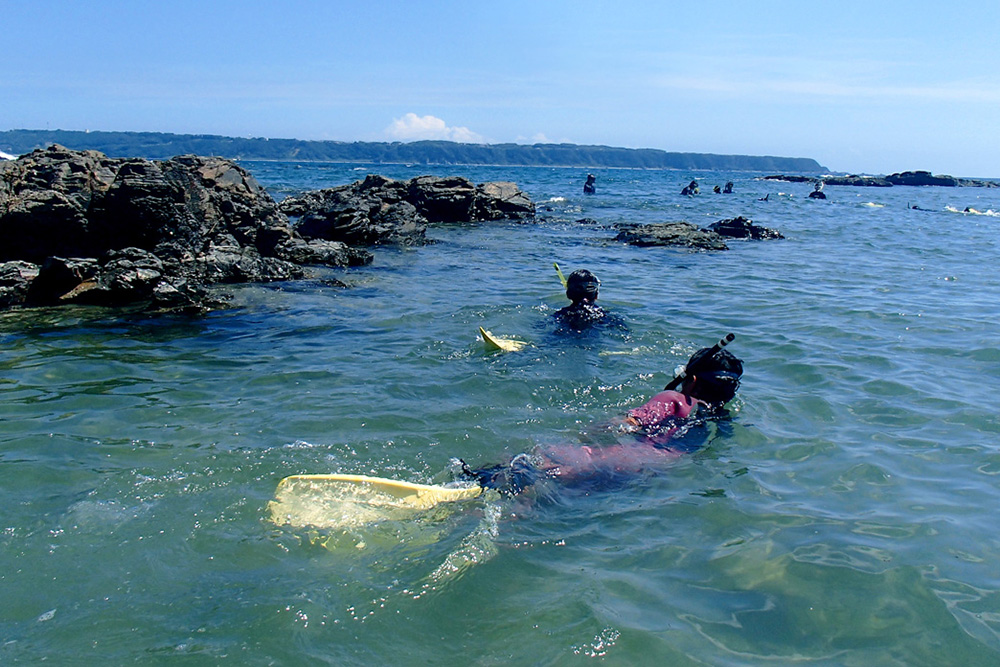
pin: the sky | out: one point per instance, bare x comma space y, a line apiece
862, 87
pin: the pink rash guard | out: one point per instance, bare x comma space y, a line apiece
575, 462
663, 405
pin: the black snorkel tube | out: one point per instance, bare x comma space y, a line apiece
726, 340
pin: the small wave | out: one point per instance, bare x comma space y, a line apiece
557, 199
871, 204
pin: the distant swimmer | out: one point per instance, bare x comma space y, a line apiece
764, 198
589, 187
717, 190
691, 189
817, 193
728, 190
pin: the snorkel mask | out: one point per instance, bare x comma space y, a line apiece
716, 376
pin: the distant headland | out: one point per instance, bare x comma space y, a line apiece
159, 145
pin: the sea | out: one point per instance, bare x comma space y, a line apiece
847, 515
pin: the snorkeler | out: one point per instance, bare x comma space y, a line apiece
582, 287
817, 192
654, 431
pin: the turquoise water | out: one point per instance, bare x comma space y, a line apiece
849, 519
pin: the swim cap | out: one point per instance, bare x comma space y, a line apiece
581, 285
718, 375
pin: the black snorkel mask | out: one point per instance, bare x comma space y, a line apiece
715, 349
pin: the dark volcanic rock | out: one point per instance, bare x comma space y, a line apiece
442, 199
502, 200
671, 234
685, 234
857, 181
327, 253
852, 180
793, 178
922, 178
15, 281
379, 210
742, 228
918, 178
112, 232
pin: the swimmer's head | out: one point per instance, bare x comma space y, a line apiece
582, 285
713, 378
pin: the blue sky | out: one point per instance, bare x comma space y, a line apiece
872, 87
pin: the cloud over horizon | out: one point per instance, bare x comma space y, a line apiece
412, 127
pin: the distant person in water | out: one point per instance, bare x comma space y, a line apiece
589, 187
582, 288
817, 192
670, 424
728, 190
691, 189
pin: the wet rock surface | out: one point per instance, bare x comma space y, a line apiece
687, 235
79, 227
383, 211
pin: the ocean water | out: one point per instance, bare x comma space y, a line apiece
849, 518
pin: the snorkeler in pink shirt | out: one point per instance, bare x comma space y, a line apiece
699, 394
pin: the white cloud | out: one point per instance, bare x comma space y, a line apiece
537, 138
412, 127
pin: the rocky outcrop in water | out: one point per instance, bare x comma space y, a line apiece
380, 211
79, 227
684, 234
742, 228
918, 178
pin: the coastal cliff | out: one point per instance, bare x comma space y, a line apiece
157, 145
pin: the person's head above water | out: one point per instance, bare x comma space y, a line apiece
712, 378
582, 285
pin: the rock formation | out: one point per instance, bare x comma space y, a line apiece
79, 227
379, 210
684, 234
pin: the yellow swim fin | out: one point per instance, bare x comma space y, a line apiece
343, 501
496, 343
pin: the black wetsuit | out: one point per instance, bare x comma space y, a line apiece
581, 315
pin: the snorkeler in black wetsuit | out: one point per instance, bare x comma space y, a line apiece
581, 288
